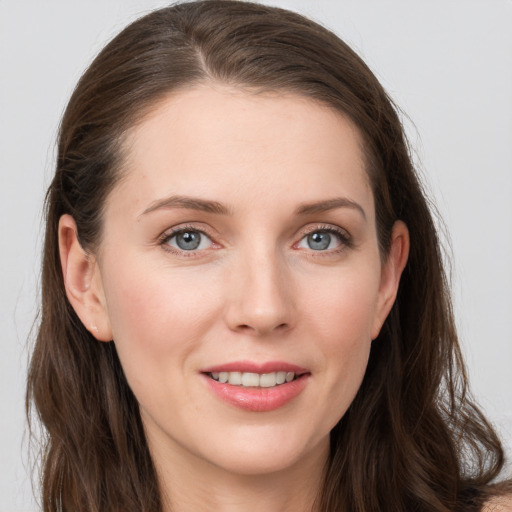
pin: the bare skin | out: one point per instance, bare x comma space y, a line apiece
286, 270
499, 504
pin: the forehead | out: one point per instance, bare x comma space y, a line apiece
213, 140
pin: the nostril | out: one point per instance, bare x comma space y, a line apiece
261, 330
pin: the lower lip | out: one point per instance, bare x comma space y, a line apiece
258, 399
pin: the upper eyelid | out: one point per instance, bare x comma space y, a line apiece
305, 230
327, 227
170, 232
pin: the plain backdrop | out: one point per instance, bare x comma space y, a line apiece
447, 63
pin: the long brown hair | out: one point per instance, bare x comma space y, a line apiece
412, 440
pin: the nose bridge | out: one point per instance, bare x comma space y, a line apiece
262, 299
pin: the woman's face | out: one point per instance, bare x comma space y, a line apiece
242, 242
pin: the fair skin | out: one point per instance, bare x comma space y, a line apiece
276, 267
499, 504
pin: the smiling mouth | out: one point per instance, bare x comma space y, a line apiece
254, 380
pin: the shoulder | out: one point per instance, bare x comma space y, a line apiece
498, 504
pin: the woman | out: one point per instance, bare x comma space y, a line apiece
244, 304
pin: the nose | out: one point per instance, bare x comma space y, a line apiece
261, 296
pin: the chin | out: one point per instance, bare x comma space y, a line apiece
268, 455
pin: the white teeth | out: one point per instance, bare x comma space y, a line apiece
268, 380
253, 380
235, 378
250, 380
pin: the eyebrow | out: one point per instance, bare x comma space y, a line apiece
204, 205
329, 204
189, 203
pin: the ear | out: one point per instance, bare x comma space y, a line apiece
82, 281
391, 272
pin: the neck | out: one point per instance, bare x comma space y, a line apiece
198, 486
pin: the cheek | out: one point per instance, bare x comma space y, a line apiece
343, 309
159, 304
341, 320
158, 317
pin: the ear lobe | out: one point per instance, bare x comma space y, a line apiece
82, 281
391, 272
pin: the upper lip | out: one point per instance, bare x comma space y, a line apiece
254, 367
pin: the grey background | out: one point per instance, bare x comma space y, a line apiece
447, 63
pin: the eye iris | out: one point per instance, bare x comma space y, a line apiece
188, 240
319, 240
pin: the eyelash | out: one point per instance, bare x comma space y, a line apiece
164, 239
344, 238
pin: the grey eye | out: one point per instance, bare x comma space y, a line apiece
319, 240
189, 240
322, 240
